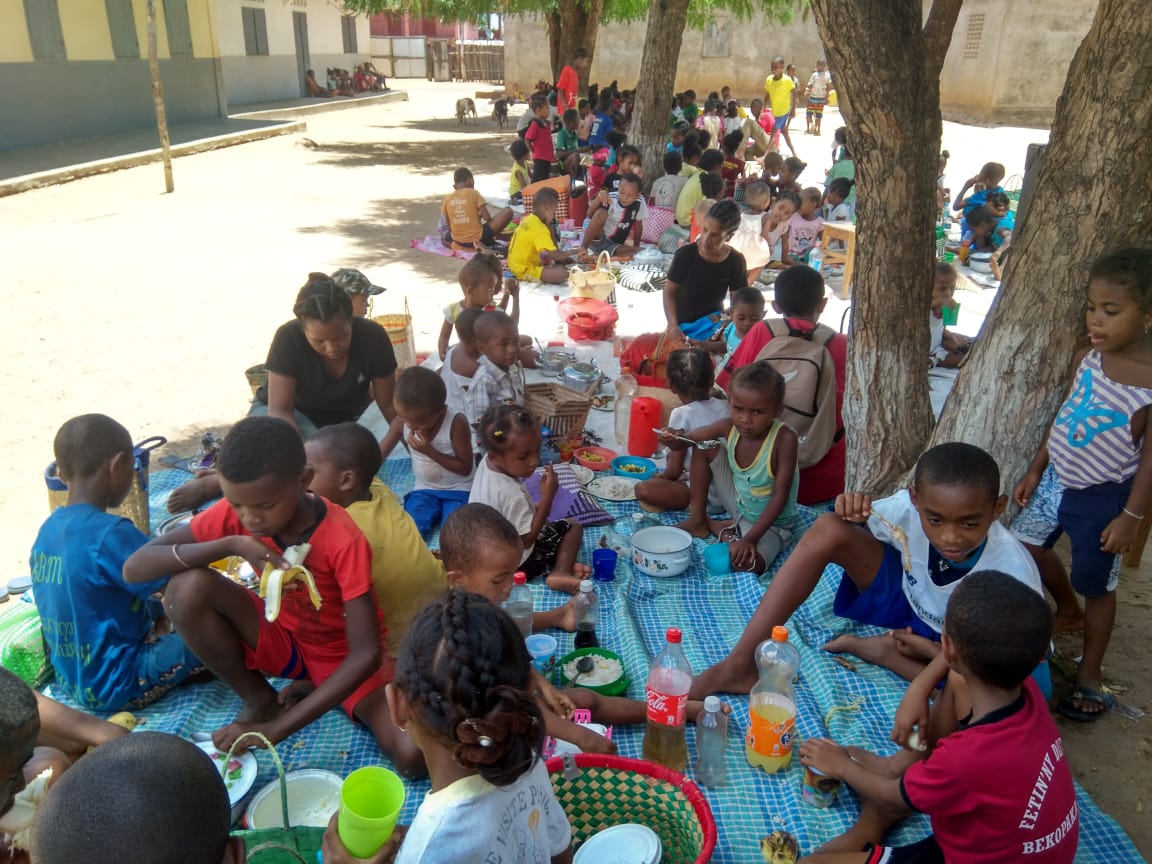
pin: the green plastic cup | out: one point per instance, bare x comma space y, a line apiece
370, 802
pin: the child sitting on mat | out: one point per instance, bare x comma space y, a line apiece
500, 375
440, 442
511, 438
615, 226
336, 644
110, 647
480, 280
345, 460
468, 217
534, 253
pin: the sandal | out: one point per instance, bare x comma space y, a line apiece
1067, 706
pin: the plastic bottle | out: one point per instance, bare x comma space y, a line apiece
772, 711
625, 389
519, 603
588, 607
644, 520
815, 257
711, 742
669, 680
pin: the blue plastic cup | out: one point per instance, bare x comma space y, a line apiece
718, 559
542, 650
604, 565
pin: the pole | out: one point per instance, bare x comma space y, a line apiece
158, 97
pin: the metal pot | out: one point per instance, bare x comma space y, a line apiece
661, 550
584, 377
552, 363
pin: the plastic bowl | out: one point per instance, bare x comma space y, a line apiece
313, 796
601, 458
633, 466
613, 688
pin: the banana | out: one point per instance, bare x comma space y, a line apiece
779, 847
273, 580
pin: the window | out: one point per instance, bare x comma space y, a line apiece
255, 30
44, 31
176, 23
348, 28
122, 23
974, 36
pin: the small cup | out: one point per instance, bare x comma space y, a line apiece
370, 802
818, 788
604, 565
718, 559
542, 650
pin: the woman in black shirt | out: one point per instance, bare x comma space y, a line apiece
703, 274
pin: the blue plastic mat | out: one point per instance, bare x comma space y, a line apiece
635, 611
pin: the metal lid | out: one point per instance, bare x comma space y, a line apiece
621, 844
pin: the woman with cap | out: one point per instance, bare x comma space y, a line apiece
359, 288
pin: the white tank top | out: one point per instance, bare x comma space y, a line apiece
456, 385
430, 474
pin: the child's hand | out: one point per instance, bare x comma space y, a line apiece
742, 554
854, 506
226, 736
603, 198
554, 700
1120, 535
334, 851
673, 439
548, 484
418, 442
826, 756
512, 286
912, 713
1022, 494
257, 554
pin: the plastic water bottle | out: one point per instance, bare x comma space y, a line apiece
772, 706
816, 257
626, 387
519, 604
711, 742
588, 608
669, 680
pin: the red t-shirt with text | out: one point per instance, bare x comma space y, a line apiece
1000, 791
567, 87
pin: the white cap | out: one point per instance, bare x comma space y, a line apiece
712, 703
585, 586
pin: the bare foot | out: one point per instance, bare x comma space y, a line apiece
1068, 622
569, 616
727, 676
695, 527
846, 644
915, 646
563, 582
262, 712
294, 692
192, 494
693, 708
581, 571
719, 526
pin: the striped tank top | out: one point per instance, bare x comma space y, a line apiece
756, 483
1091, 439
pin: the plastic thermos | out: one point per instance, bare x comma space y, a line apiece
711, 742
772, 706
669, 680
519, 603
642, 423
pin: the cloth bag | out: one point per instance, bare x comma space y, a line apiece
599, 283
659, 220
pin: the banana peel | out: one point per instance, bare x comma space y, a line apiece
273, 580
779, 847
18, 820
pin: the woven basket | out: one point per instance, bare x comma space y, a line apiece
399, 329
135, 505
560, 408
257, 377
598, 792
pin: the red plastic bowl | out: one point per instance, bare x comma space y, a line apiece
606, 457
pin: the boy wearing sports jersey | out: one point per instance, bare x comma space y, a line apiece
996, 784
902, 557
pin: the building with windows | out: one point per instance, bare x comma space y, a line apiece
78, 68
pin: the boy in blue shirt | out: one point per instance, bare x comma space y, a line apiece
108, 646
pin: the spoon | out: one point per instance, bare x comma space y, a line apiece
709, 444
583, 666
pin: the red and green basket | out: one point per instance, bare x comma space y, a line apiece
598, 792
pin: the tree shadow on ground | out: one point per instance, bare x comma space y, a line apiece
483, 127
416, 157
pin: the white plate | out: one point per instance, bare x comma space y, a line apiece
607, 402
613, 488
583, 475
242, 772
621, 844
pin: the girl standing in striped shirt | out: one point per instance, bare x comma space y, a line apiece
1099, 455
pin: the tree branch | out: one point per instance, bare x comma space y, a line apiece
938, 34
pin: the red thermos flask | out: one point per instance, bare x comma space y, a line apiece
644, 419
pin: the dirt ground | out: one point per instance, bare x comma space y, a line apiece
148, 307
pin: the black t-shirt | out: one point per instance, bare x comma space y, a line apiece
320, 397
703, 285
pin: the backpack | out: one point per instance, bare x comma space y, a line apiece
809, 386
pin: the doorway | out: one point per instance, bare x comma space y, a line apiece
300, 32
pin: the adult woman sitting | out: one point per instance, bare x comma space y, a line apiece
703, 274
325, 366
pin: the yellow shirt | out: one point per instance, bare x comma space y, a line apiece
518, 179
531, 238
405, 574
690, 196
689, 170
780, 94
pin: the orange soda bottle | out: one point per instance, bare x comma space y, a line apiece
772, 706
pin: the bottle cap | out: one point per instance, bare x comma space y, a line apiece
586, 586
713, 705
637, 517
519, 578
673, 635
779, 634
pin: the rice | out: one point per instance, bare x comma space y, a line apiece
604, 671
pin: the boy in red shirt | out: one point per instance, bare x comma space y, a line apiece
996, 784
267, 508
799, 301
539, 138
568, 85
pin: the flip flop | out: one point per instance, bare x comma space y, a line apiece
1067, 706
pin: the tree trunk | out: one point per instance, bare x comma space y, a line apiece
158, 98
1092, 195
573, 24
552, 17
888, 64
649, 126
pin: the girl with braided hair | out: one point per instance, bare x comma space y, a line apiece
461, 694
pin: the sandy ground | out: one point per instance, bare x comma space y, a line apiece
148, 307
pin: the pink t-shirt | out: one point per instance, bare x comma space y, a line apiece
802, 233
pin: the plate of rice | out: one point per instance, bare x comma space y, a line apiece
607, 676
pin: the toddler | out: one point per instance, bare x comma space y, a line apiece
461, 361
533, 253
789, 175
836, 207
982, 185
753, 474
666, 189
521, 174
776, 225
690, 378
109, 646
466, 216
510, 437
499, 375
440, 442
749, 239
711, 187
747, 311
480, 280
732, 169
803, 228
568, 146
947, 350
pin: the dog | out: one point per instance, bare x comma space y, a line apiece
500, 112
464, 108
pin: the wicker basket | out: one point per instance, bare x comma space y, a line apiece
135, 505
399, 329
561, 409
257, 377
598, 792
